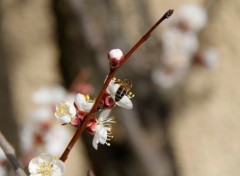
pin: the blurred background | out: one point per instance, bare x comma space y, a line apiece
186, 116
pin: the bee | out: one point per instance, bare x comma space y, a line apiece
125, 86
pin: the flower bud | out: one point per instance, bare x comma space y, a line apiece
91, 127
109, 102
115, 56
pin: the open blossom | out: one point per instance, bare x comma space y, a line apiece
125, 101
46, 165
65, 112
103, 129
83, 105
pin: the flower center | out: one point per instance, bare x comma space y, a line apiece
63, 109
88, 99
46, 169
107, 124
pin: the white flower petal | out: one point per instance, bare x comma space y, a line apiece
79, 101
60, 165
125, 102
112, 88
34, 164
102, 135
95, 142
46, 157
65, 119
87, 107
72, 110
82, 104
104, 114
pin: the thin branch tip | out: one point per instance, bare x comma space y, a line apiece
169, 13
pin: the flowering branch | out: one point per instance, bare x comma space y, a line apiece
10, 154
107, 81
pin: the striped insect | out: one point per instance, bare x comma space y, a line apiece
120, 91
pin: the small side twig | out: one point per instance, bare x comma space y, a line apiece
10, 154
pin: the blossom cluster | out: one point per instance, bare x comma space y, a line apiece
180, 47
73, 109
75, 113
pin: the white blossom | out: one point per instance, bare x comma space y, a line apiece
125, 101
46, 165
103, 129
65, 112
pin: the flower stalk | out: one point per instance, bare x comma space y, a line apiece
106, 83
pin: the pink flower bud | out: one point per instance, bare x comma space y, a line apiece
76, 122
106, 102
115, 56
109, 102
91, 127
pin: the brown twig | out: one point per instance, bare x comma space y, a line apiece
109, 78
10, 154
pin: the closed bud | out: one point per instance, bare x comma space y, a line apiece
115, 57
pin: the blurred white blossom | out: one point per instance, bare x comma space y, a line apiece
42, 132
210, 58
43, 135
180, 47
49, 95
176, 42
3, 170
193, 15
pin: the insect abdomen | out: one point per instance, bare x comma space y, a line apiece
120, 93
